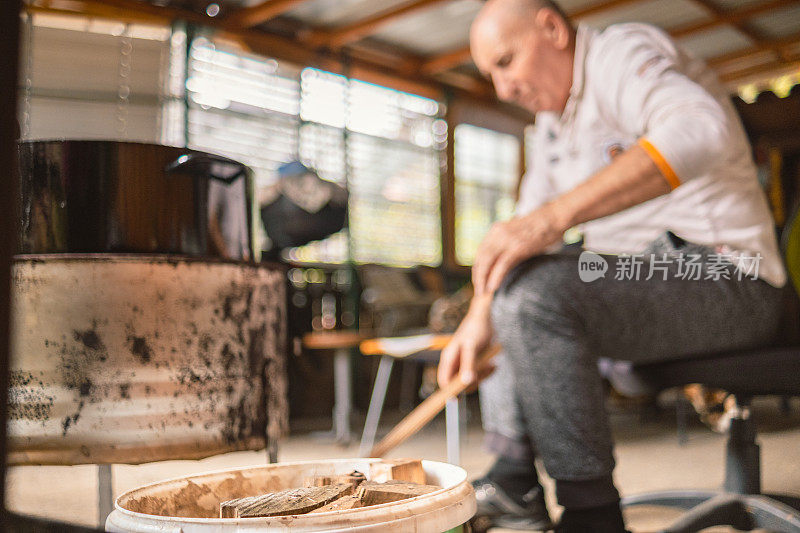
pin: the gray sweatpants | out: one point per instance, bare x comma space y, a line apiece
546, 397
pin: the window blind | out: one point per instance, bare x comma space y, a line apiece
243, 107
394, 159
487, 165
389, 156
72, 66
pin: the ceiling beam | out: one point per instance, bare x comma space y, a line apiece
776, 68
253, 16
470, 84
338, 38
446, 61
732, 17
598, 8
125, 10
719, 14
113, 13
778, 46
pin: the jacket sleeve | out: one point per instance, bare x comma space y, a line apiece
645, 90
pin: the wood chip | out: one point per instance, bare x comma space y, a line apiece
372, 493
342, 504
286, 502
354, 478
398, 469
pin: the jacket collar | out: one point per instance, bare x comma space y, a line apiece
585, 36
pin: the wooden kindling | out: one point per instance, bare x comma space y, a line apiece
372, 493
409, 470
285, 502
354, 478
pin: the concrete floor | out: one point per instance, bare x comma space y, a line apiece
648, 453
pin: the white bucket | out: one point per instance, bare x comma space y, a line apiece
191, 504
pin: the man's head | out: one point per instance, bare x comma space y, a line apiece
527, 49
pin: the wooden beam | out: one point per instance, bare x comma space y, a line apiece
774, 45
253, 16
776, 68
128, 17
122, 10
598, 8
446, 61
719, 16
470, 84
732, 17
338, 38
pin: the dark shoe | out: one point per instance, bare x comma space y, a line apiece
497, 509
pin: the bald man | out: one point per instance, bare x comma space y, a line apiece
638, 144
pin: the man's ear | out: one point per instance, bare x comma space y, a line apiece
553, 28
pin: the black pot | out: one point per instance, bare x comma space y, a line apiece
122, 197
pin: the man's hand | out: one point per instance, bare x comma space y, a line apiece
470, 339
509, 243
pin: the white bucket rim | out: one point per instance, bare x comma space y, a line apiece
297, 517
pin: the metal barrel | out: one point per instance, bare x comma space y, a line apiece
131, 359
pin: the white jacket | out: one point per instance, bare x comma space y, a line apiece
633, 85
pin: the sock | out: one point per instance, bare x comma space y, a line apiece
516, 478
603, 519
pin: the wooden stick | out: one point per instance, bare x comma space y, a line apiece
427, 410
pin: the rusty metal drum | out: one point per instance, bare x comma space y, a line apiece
131, 359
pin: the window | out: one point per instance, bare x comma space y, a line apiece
74, 70
389, 155
487, 168
243, 107
394, 156
322, 147
394, 208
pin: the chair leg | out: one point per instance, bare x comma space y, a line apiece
343, 395
105, 492
376, 405
452, 431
